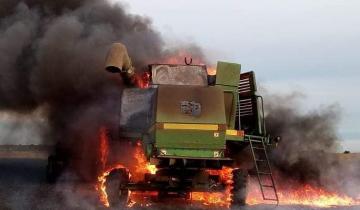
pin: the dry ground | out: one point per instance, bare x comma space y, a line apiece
23, 186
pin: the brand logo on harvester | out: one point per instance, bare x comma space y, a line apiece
190, 108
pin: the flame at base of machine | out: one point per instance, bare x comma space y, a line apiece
222, 199
101, 187
142, 166
304, 195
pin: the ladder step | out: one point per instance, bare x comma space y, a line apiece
256, 141
271, 199
259, 153
270, 186
264, 173
260, 148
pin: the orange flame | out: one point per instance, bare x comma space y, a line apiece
217, 198
179, 58
104, 152
142, 167
101, 187
211, 71
303, 195
104, 147
306, 195
142, 80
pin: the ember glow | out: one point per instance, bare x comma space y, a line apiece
180, 56
101, 187
103, 154
217, 198
142, 80
141, 167
104, 147
211, 71
306, 195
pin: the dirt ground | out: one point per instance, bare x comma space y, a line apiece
23, 186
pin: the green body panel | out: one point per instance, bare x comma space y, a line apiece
190, 139
227, 78
230, 101
170, 97
228, 74
218, 107
192, 153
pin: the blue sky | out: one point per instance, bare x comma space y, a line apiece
310, 46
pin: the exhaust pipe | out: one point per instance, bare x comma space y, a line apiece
118, 61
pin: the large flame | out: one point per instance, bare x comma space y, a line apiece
101, 187
306, 195
141, 166
217, 198
103, 153
301, 195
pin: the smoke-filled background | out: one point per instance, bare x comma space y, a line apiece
51, 76
309, 142
52, 62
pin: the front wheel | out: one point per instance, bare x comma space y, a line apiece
117, 193
53, 169
239, 191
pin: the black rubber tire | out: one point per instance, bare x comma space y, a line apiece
52, 169
116, 190
240, 184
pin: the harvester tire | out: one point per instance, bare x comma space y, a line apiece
52, 169
116, 190
239, 190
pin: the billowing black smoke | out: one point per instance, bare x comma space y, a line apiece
52, 56
305, 136
54, 52
309, 141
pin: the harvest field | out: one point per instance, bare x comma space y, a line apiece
23, 186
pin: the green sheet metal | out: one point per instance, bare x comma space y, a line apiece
227, 78
169, 101
228, 74
190, 139
191, 153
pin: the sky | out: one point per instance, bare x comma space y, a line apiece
307, 46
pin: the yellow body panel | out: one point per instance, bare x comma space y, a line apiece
231, 132
180, 126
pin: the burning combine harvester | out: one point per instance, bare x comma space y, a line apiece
193, 130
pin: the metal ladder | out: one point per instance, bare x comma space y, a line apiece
262, 166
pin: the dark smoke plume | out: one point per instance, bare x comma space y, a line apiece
309, 141
53, 52
52, 56
303, 134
